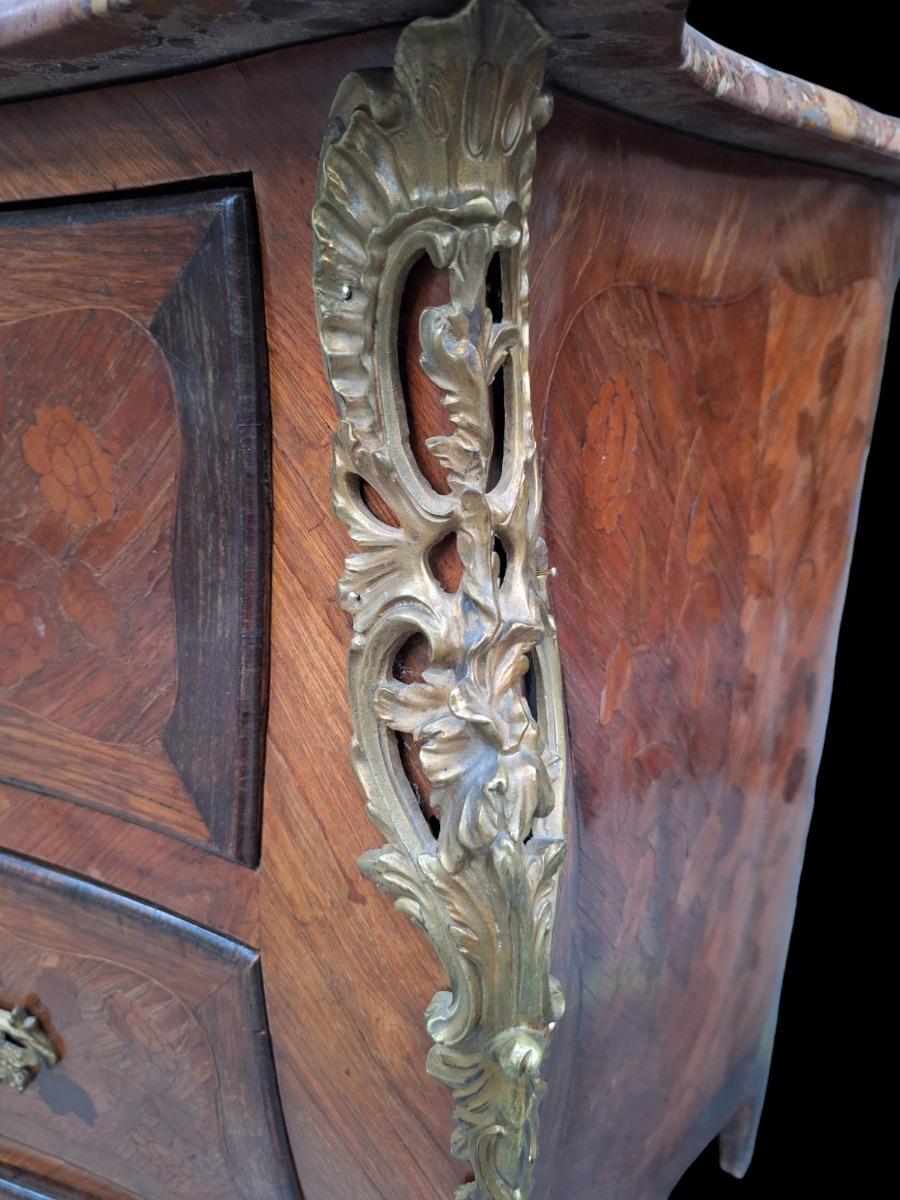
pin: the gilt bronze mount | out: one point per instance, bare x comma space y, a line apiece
24, 1048
436, 158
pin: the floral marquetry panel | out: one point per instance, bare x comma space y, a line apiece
84, 600
133, 513
159, 1083
706, 384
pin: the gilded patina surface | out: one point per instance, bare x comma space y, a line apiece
436, 158
24, 1048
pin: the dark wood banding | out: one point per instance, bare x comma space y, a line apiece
210, 330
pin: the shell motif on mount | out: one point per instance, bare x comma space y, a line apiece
435, 158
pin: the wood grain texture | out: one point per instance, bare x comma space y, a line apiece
209, 329
165, 1085
20, 1183
638, 55
683, 301
206, 889
134, 536
706, 409
26, 1168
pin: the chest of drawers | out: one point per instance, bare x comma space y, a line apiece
593, 781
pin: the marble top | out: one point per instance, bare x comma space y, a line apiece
639, 56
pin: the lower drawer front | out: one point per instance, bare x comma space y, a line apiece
164, 1086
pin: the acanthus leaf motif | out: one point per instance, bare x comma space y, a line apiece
411, 166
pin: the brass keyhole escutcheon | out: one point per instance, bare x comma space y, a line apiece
24, 1048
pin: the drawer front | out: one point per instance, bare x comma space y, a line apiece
134, 491
164, 1086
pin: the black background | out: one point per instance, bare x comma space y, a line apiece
827, 1123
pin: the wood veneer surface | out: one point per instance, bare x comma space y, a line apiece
706, 337
164, 1086
134, 533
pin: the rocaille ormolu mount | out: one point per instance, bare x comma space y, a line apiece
436, 158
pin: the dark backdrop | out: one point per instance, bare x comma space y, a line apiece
826, 1127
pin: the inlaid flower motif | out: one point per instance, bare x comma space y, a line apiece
609, 453
77, 475
27, 636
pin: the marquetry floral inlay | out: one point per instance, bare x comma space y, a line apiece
27, 634
77, 476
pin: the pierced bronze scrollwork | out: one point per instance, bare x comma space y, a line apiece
436, 158
24, 1048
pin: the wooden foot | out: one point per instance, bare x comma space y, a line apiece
738, 1138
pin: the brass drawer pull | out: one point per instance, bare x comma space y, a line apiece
24, 1048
